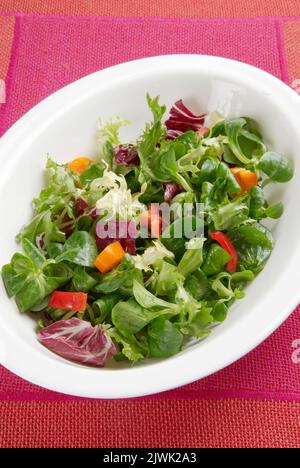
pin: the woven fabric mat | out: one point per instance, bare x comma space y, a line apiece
171, 8
195, 423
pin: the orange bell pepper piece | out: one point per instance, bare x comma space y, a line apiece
110, 257
245, 178
79, 165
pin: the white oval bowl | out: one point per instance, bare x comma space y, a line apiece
65, 126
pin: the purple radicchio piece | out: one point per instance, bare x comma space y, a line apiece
79, 207
126, 155
171, 190
77, 340
181, 119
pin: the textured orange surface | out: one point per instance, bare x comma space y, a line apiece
187, 8
226, 423
292, 46
6, 38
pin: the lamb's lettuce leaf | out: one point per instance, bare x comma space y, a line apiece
254, 245
276, 166
215, 260
164, 338
129, 317
30, 277
80, 248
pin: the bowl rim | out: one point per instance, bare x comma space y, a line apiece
76, 380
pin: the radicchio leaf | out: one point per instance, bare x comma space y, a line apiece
173, 134
77, 340
79, 207
67, 225
182, 119
94, 213
171, 189
126, 155
123, 231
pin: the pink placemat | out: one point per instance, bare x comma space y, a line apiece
50, 52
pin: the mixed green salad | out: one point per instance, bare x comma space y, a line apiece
104, 271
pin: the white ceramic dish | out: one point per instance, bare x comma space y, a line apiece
64, 125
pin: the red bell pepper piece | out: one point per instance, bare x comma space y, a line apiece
153, 220
225, 243
68, 301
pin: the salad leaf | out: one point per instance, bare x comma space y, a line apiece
109, 130
94, 171
171, 190
215, 260
115, 200
189, 139
259, 208
147, 300
131, 348
274, 211
164, 167
165, 279
172, 239
103, 306
224, 290
198, 323
126, 155
31, 278
42, 224
60, 189
156, 252
54, 249
121, 278
80, 248
223, 172
241, 140
182, 119
197, 284
13, 280
195, 316
254, 245
193, 256
257, 201
130, 317
230, 215
82, 281
153, 194
165, 339
153, 132
277, 167
78, 341
220, 311
208, 171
